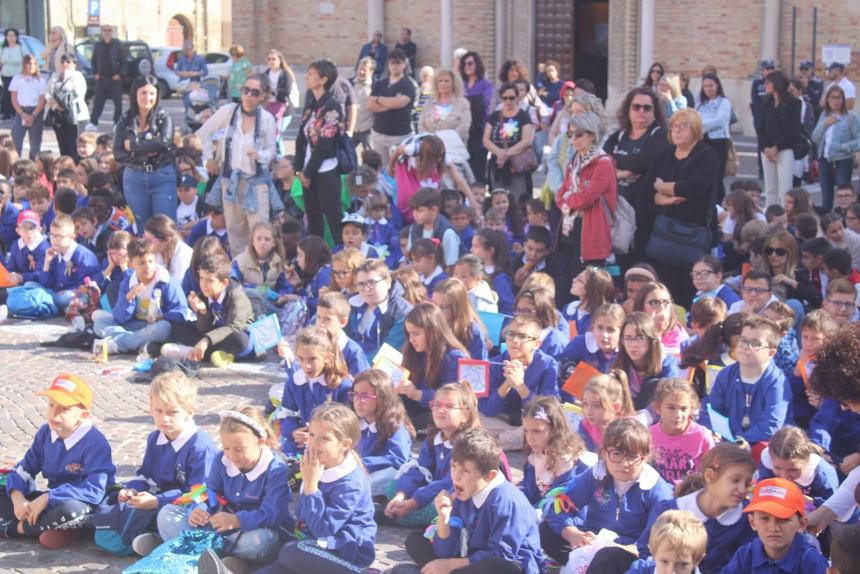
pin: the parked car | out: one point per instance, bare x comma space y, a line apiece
164, 58
138, 61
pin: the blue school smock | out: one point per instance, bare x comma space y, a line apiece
353, 354
47, 218
573, 311
190, 282
529, 485
583, 348
835, 429
503, 285
447, 374
203, 228
769, 398
575, 421
393, 453
77, 468
498, 522
27, 260
63, 275
541, 378
170, 468
648, 566
553, 341
341, 513
8, 223
301, 396
171, 303
818, 480
724, 292
384, 237
386, 327
802, 558
799, 409
116, 275
726, 532
433, 280
424, 478
311, 291
627, 515
466, 237
260, 498
477, 345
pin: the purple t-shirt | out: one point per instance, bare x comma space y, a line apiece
677, 456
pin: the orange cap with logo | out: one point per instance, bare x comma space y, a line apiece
778, 497
69, 390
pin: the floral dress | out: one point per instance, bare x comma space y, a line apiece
239, 72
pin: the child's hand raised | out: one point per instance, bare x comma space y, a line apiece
198, 517
138, 289
196, 304
443, 505
312, 470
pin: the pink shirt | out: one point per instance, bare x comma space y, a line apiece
677, 456
672, 339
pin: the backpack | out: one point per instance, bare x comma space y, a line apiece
31, 303
622, 224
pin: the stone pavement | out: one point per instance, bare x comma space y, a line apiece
120, 411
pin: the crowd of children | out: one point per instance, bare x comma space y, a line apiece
644, 423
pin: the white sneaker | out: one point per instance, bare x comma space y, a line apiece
90, 127
175, 351
98, 344
78, 324
144, 544
4, 313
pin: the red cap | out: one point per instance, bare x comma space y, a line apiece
28, 216
778, 497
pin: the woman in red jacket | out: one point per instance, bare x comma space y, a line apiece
587, 197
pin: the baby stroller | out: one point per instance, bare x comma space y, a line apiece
202, 102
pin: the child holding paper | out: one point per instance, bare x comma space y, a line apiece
596, 347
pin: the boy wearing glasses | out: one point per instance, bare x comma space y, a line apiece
752, 393
756, 293
841, 301
524, 372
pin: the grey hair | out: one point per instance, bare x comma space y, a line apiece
588, 121
593, 104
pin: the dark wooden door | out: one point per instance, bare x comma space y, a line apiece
591, 43
554, 34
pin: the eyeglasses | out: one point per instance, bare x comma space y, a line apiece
659, 303
636, 339
755, 290
255, 92
781, 251
468, 63
618, 456
680, 126
369, 284
580, 133
641, 107
751, 344
59, 236
844, 305
361, 397
341, 273
441, 406
517, 337
703, 274
509, 98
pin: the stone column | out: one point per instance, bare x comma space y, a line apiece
770, 31
446, 29
646, 37
501, 36
375, 18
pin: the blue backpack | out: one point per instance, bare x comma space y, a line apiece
31, 303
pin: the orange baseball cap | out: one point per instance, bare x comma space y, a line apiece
69, 390
778, 497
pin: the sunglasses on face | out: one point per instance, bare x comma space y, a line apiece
254, 92
781, 251
642, 107
509, 98
579, 133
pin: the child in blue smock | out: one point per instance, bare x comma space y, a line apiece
75, 460
593, 287
716, 496
815, 328
178, 456
677, 541
621, 493
491, 248
455, 409
333, 315
386, 432
836, 430
313, 259
540, 303
791, 455
335, 511
485, 524
427, 261
643, 359
597, 346
452, 298
66, 263
317, 375
778, 515
247, 493
26, 255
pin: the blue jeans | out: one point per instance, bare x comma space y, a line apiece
34, 130
833, 173
131, 336
258, 545
150, 193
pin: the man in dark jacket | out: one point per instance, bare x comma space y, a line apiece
108, 69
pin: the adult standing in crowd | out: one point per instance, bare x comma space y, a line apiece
479, 91
447, 109
65, 99
837, 77
641, 137
143, 143
716, 111
285, 92
316, 150
108, 64
362, 84
375, 49
241, 159
655, 73
58, 45
409, 48
778, 130
190, 66
682, 180
391, 102
757, 96
11, 62
813, 88
586, 198
508, 132
28, 99
837, 136
240, 69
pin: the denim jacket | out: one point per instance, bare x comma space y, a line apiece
844, 141
215, 197
716, 115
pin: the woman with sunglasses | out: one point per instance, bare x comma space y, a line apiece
507, 133
586, 198
67, 87
640, 137
245, 136
478, 90
791, 283
654, 75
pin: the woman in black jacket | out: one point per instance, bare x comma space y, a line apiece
316, 150
778, 130
143, 144
682, 183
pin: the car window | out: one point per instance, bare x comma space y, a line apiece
86, 50
136, 51
156, 53
214, 58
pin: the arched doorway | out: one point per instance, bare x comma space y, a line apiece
179, 29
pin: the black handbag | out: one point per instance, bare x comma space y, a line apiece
677, 242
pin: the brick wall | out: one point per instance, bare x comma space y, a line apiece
838, 23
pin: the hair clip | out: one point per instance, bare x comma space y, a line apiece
541, 415
258, 429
